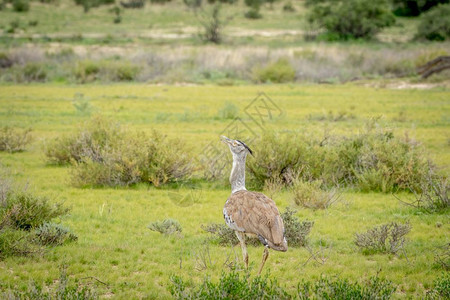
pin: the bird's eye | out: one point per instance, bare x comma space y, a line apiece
234, 144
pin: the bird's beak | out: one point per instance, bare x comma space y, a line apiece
226, 140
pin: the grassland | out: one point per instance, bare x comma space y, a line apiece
114, 243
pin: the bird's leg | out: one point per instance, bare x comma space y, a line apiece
241, 238
264, 258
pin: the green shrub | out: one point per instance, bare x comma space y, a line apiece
15, 242
228, 111
296, 232
373, 160
435, 24
414, 7
88, 4
21, 5
277, 72
310, 195
167, 226
89, 71
33, 72
351, 18
440, 289
386, 238
230, 286
288, 7
14, 140
51, 234
338, 288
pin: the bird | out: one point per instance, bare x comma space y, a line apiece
251, 213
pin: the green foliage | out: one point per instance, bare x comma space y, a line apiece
14, 140
167, 226
277, 72
435, 24
51, 234
105, 154
160, 1
88, 4
22, 215
228, 111
63, 290
351, 18
288, 7
89, 70
414, 7
34, 72
373, 160
213, 22
440, 289
21, 5
338, 288
295, 232
310, 195
230, 286
386, 238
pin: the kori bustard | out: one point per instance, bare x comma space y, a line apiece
251, 213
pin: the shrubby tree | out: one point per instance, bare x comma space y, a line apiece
414, 7
88, 4
435, 24
350, 18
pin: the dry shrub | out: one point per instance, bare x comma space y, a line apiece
91, 70
386, 238
277, 72
51, 234
373, 160
14, 140
105, 154
167, 226
310, 194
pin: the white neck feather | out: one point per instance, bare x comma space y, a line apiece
237, 176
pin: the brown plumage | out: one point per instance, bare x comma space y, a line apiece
257, 214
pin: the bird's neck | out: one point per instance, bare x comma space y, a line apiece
237, 176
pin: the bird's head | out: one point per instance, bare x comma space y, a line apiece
237, 147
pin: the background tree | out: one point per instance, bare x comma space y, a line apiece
414, 7
435, 24
351, 18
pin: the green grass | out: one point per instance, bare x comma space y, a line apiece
115, 245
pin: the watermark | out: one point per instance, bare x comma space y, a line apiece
261, 111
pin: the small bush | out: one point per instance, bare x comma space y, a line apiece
440, 289
89, 71
310, 195
51, 234
337, 288
33, 72
167, 226
14, 140
277, 72
435, 24
442, 256
15, 242
296, 232
253, 13
351, 18
432, 195
387, 238
21, 5
228, 111
105, 154
230, 286
288, 7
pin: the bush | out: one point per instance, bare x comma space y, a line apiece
89, 71
352, 18
88, 4
167, 226
337, 288
296, 232
414, 7
373, 160
104, 154
230, 286
440, 289
432, 195
51, 234
228, 111
22, 221
310, 195
14, 140
387, 238
277, 72
33, 72
21, 5
435, 24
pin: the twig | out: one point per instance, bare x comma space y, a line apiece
95, 278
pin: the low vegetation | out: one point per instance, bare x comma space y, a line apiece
373, 160
13, 139
103, 153
310, 194
26, 222
434, 25
235, 286
167, 226
386, 238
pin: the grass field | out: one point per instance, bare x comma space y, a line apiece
116, 247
